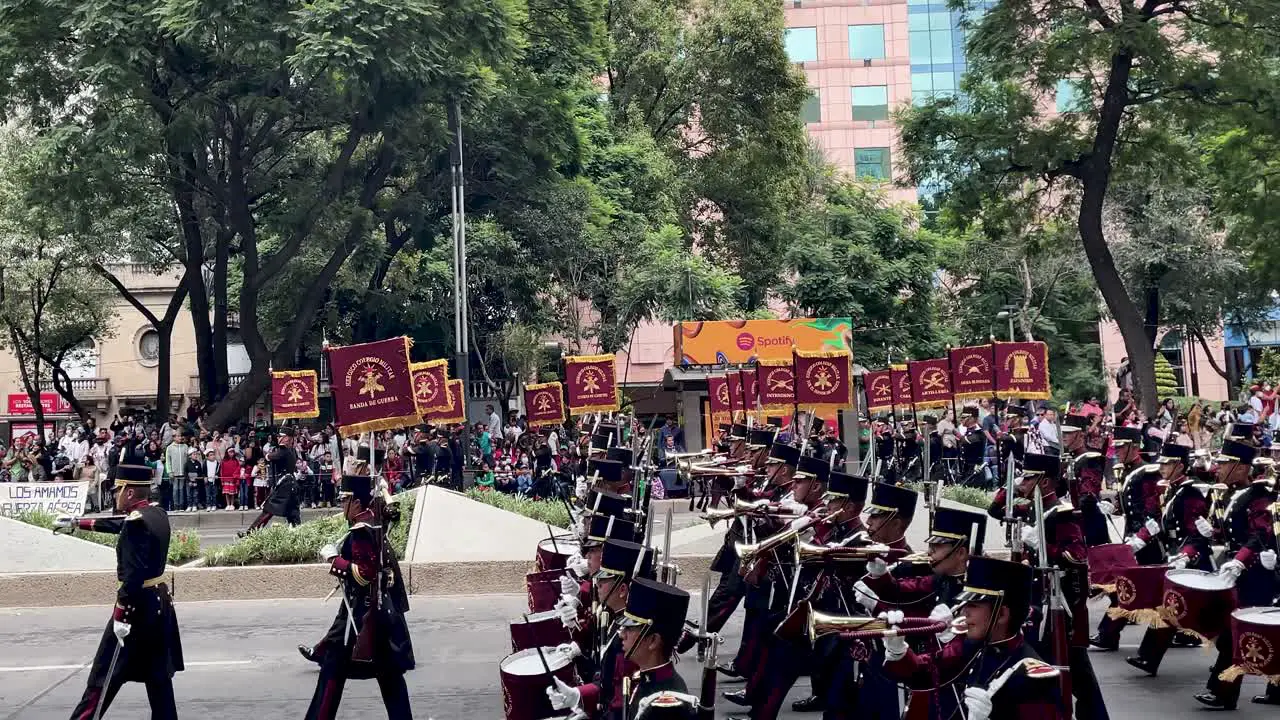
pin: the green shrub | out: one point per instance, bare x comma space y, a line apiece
184, 545
1166, 379
974, 497
280, 544
551, 512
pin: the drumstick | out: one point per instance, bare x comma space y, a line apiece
552, 533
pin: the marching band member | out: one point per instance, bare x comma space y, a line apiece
1184, 525
1250, 536
1086, 446
996, 601
141, 641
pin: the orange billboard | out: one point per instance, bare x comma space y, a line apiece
739, 342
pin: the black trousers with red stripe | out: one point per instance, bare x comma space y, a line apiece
333, 679
159, 695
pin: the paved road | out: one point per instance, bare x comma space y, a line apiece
242, 664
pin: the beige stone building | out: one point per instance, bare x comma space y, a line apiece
118, 370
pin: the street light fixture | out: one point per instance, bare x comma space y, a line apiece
1007, 315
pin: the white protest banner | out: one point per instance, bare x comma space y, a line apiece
49, 497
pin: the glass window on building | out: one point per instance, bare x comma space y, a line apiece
921, 87
941, 52
870, 102
871, 163
866, 42
802, 44
1068, 96
811, 111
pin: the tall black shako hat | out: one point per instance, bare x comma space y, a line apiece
886, 499
812, 467
1173, 452
658, 607
958, 527
603, 502
738, 431
605, 527
618, 560
786, 454
844, 486
1040, 464
988, 580
1125, 435
620, 455
358, 486
761, 437
135, 475
609, 471
1236, 451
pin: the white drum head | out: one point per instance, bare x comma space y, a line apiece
1198, 580
527, 662
561, 546
536, 617
1258, 615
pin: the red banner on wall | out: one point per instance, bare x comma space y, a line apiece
544, 403
1022, 370
372, 387
824, 379
777, 385
431, 386
294, 394
591, 383
879, 387
931, 382
50, 402
972, 374
457, 412
901, 379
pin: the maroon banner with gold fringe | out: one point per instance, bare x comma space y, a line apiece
737, 411
294, 394
931, 382
544, 403
824, 379
972, 375
591, 383
1022, 370
372, 386
431, 386
902, 393
879, 387
456, 413
777, 385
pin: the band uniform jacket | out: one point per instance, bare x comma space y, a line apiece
1186, 504
644, 683
1140, 501
1068, 553
1250, 531
964, 663
1085, 486
602, 698
822, 585
153, 648
363, 572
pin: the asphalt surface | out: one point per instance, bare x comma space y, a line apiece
241, 663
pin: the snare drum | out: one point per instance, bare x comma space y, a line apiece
544, 589
542, 629
525, 682
555, 555
1199, 602
1255, 633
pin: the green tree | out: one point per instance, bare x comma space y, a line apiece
1166, 380
1135, 83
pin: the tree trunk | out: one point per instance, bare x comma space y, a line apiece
164, 369
221, 259
205, 347
62, 384
1152, 324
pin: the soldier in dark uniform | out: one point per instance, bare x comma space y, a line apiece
651, 626
1085, 447
1140, 499
285, 499
1185, 526
141, 641
781, 467
997, 599
1251, 541
374, 641
621, 563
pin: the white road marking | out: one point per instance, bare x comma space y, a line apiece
42, 668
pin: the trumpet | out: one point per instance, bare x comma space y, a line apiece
750, 552
807, 553
820, 624
744, 507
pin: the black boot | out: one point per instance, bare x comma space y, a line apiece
309, 653
1183, 640
737, 697
1211, 700
813, 703
1103, 643
728, 670
1143, 664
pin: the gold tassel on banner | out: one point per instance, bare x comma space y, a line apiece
1153, 617
1232, 674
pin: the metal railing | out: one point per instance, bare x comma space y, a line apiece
85, 388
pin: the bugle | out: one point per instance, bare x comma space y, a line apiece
750, 552
808, 553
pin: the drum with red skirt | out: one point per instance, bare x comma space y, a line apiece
544, 589
525, 681
554, 552
1104, 560
542, 629
1139, 594
1199, 602
1255, 634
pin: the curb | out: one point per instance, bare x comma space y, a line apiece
277, 582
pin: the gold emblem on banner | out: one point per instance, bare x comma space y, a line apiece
933, 379
293, 390
1020, 363
1175, 603
821, 377
425, 387
1125, 590
882, 388
973, 365
723, 394
591, 379
543, 401
779, 380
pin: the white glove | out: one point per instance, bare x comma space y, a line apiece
800, 523
570, 649
580, 488
1268, 559
942, 613
877, 567
866, 598
1106, 507
329, 552
978, 702
1152, 526
892, 617
739, 482
577, 565
121, 629
579, 714
568, 586
562, 696
1136, 543
792, 506
1231, 567
1204, 527
895, 647
568, 615
1030, 538
65, 523
1179, 561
